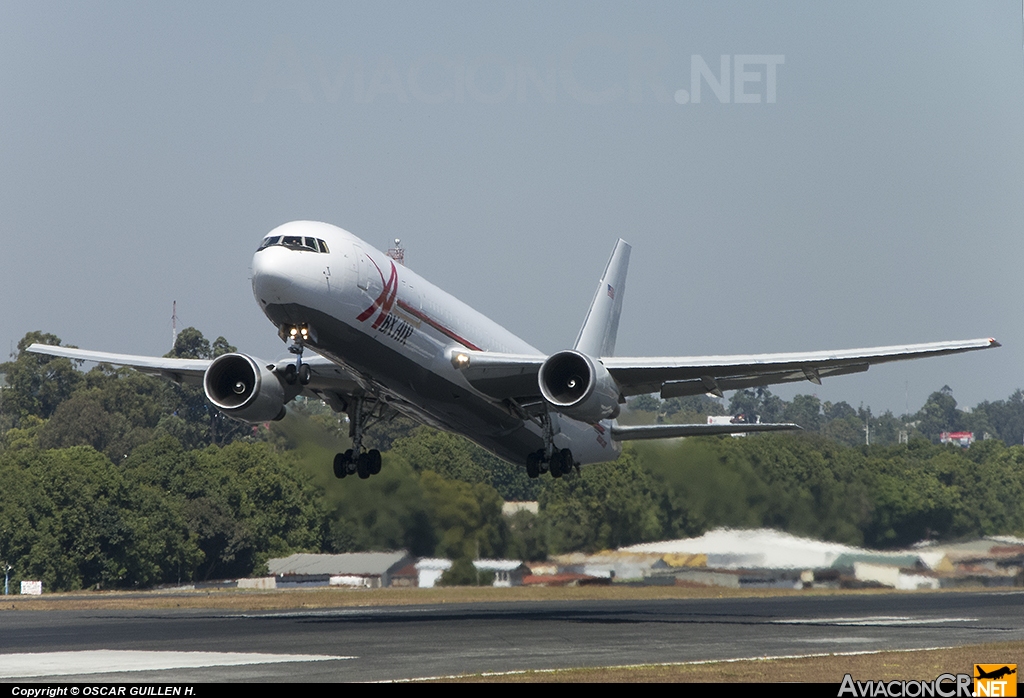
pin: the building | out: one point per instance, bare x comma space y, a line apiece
360, 570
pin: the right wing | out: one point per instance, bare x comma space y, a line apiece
514, 376
327, 380
177, 370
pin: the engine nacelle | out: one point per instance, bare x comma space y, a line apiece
242, 388
579, 387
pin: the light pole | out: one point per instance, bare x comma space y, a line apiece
7, 573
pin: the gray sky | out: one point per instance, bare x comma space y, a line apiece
145, 148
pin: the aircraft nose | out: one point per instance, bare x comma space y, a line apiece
272, 279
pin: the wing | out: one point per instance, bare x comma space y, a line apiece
674, 431
177, 370
514, 376
328, 380
674, 377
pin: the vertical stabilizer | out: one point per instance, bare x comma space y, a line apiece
597, 336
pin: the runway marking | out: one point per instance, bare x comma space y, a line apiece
873, 620
110, 661
764, 658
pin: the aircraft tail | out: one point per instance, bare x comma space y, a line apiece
597, 336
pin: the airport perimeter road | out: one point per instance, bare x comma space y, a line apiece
373, 644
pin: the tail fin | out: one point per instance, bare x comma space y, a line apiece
597, 336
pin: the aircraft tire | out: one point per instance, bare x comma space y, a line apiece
290, 374
375, 461
567, 461
533, 466
305, 374
340, 466
363, 465
555, 465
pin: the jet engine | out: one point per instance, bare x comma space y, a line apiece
579, 387
242, 388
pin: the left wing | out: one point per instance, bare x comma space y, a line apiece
514, 376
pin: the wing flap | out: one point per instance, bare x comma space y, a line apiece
672, 431
637, 375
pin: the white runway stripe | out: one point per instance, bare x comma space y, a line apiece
105, 661
874, 620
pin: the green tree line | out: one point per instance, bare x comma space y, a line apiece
115, 479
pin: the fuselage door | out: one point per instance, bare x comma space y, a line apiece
363, 264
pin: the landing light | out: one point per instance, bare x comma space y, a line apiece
460, 360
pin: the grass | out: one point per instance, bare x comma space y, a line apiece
328, 597
924, 665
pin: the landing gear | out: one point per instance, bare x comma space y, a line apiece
354, 461
550, 459
364, 465
298, 372
560, 463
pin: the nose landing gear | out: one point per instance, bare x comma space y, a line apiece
298, 372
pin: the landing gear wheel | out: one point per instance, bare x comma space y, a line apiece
290, 374
375, 461
555, 465
363, 465
565, 456
533, 466
340, 465
304, 374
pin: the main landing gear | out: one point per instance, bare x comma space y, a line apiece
355, 461
558, 464
556, 461
364, 465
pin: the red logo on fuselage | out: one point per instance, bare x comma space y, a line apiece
385, 300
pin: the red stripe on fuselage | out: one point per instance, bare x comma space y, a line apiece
437, 326
386, 298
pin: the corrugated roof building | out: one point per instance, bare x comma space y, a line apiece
368, 570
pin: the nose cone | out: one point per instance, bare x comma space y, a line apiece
273, 280
298, 265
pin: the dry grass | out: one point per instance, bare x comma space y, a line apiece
923, 665
325, 597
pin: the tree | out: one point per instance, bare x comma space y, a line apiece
607, 505
939, 414
37, 384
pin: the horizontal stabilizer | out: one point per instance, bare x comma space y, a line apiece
674, 431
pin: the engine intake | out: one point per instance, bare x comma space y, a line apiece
242, 388
579, 387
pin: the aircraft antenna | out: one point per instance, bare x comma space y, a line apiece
397, 252
174, 323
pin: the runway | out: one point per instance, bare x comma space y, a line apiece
407, 642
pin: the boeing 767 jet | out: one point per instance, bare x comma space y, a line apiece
370, 337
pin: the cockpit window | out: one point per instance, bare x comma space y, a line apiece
295, 242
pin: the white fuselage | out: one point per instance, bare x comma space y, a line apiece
396, 332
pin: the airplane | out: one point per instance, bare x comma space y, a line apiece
383, 340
